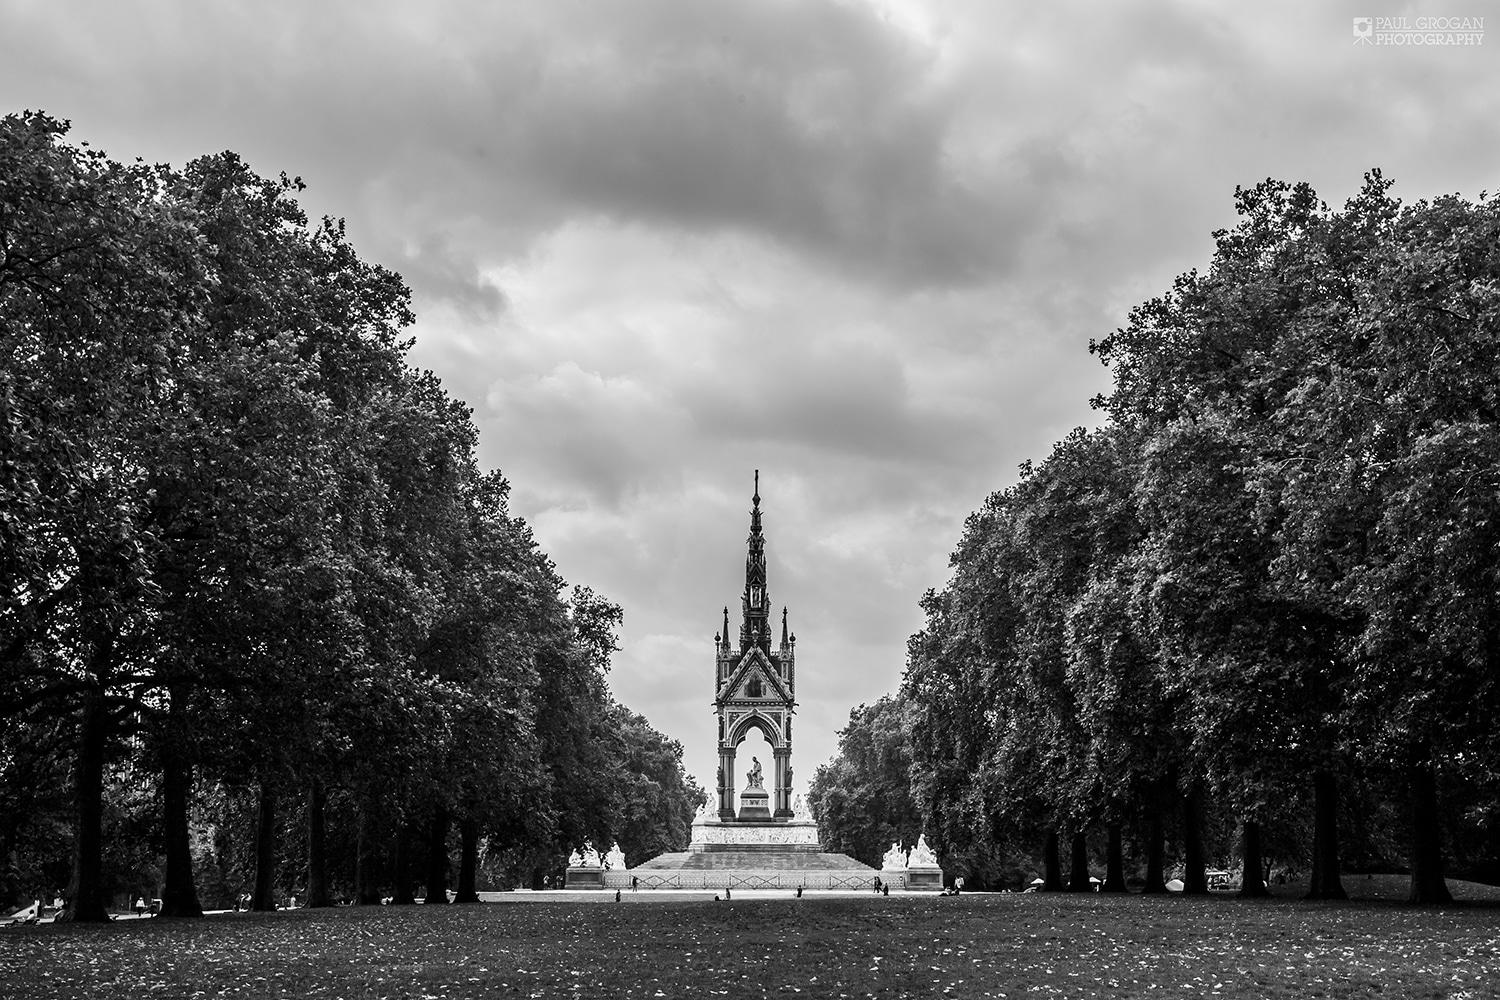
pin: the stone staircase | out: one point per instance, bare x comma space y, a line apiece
740, 859
752, 866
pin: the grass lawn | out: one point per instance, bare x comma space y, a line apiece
976, 945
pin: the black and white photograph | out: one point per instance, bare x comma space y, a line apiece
858, 498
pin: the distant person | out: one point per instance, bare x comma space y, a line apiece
140, 906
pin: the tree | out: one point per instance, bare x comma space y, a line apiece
960, 703
228, 506
573, 726
1198, 368
658, 800
97, 280
1345, 351
862, 798
1422, 446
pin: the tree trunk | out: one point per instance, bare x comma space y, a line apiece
1156, 849
317, 854
86, 890
1326, 883
1114, 865
401, 893
1252, 871
1078, 875
366, 891
1315, 877
468, 865
1427, 883
1052, 876
437, 857
1195, 866
264, 897
179, 894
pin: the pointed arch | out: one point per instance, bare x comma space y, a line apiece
770, 731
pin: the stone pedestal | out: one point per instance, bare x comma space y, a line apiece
924, 878
585, 878
922, 870
755, 805
585, 870
710, 835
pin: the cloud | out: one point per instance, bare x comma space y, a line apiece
436, 272
813, 123
857, 244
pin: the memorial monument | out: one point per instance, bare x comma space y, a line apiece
769, 841
754, 688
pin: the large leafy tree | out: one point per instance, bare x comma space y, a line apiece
1412, 397
1275, 565
862, 798
657, 798
235, 524
1117, 676
1343, 358
98, 282
961, 697
1202, 370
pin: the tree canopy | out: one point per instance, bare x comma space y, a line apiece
254, 575
1265, 583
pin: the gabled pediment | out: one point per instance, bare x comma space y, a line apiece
755, 666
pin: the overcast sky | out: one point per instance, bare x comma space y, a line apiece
860, 246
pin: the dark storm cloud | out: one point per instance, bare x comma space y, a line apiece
703, 151
1009, 129
858, 245
814, 123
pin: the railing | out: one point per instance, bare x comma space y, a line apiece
670, 880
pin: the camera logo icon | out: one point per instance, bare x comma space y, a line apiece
1364, 29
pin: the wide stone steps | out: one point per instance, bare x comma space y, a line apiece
756, 860
712, 879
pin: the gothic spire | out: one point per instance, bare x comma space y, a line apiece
755, 509
756, 630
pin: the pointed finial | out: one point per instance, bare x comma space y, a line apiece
756, 498
783, 625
